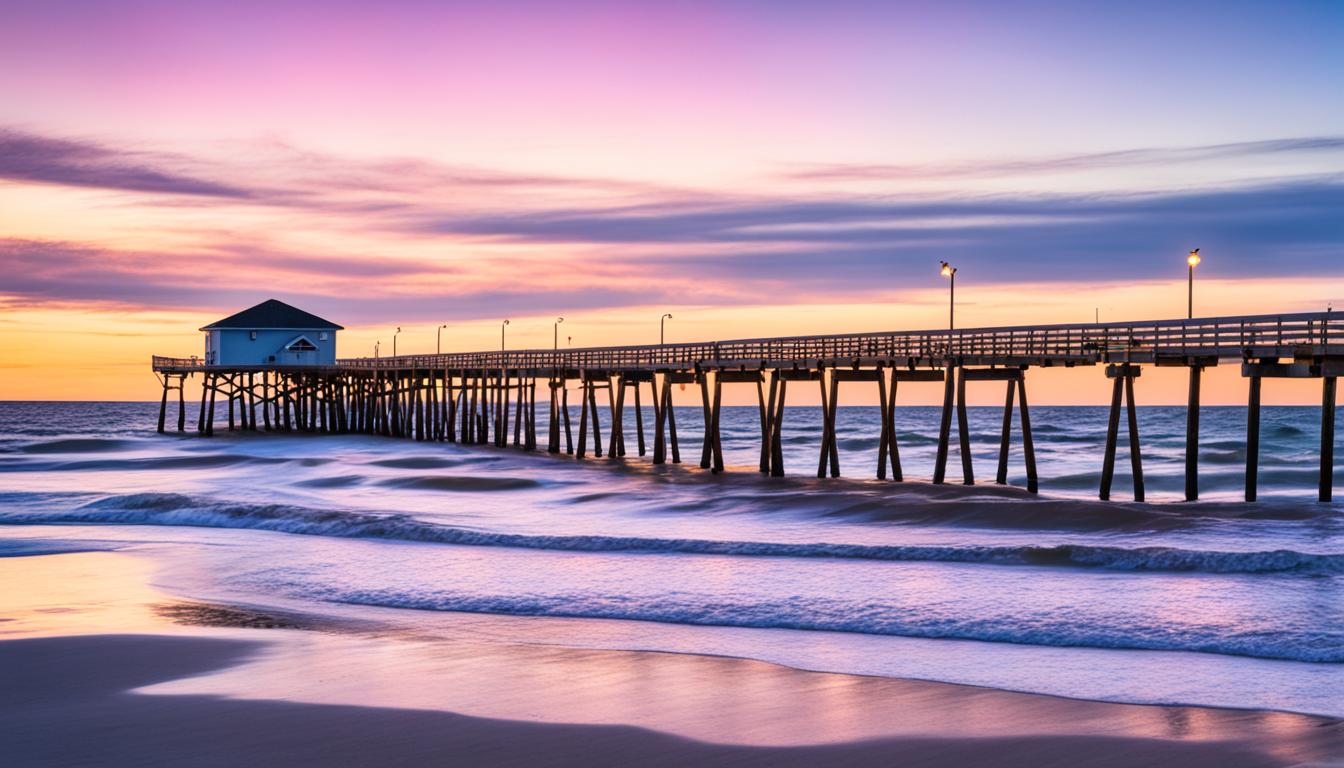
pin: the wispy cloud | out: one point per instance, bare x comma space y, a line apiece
40, 159
995, 167
408, 238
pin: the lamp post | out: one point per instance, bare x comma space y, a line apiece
950, 272
662, 332
555, 330
1193, 261
394, 341
438, 346
501, 334
375, 349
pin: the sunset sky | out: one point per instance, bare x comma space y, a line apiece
754, 168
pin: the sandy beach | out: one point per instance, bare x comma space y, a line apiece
102, 668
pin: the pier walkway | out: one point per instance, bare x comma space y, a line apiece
468, 397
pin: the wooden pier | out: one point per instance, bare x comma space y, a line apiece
471, 397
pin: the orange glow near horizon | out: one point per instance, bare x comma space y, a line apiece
103, 354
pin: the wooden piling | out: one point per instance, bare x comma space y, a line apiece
564, 413
181, 403
706, 447
659, 417
639, 419
767, 416
893, 445
1135, 455
1002, 477
1112, 427
1192, 436
777, 431
963, 432
944, 426
553, 424
163, 404
1327, 438
210, 413
1028, 447
1252, 437
717, 444
824, 455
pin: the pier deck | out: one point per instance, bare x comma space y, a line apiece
467, 396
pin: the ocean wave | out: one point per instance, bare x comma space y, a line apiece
209, 461
862, 617
460, 483
77, 445
182, 510
431, 462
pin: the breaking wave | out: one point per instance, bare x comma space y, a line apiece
182, 510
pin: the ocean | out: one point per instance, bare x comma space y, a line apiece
1217, 602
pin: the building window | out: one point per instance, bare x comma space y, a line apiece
322, 336
252, 335
301, 345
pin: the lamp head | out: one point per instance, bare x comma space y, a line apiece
559, 320
506, 322
947, 270
1193, 259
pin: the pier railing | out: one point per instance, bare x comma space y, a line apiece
1243, 337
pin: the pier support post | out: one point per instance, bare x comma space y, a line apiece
767, 411
672, 426
597, 429
1028, 447
884, 412
717, 444
1112, 427
1192, 436
1122, 376
1002, 477
963, 432
1135, 455
659, 416
639, 420
520, 414
1252, 437
266, 400
706, 450
553, 425
829, 451
616, 402
564, 414
210, 411
945, 426
1327, 438
583, 415
163, 403
532, 414
893, 446
181, 403
251, 418
777, 430
205, 395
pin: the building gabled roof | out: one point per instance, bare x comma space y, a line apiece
272, 313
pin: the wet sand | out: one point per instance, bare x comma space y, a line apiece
100, 668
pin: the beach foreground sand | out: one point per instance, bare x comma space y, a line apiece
80, 653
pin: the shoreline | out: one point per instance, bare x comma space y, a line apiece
101, 719
99, 662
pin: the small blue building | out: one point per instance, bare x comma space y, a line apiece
271, 333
